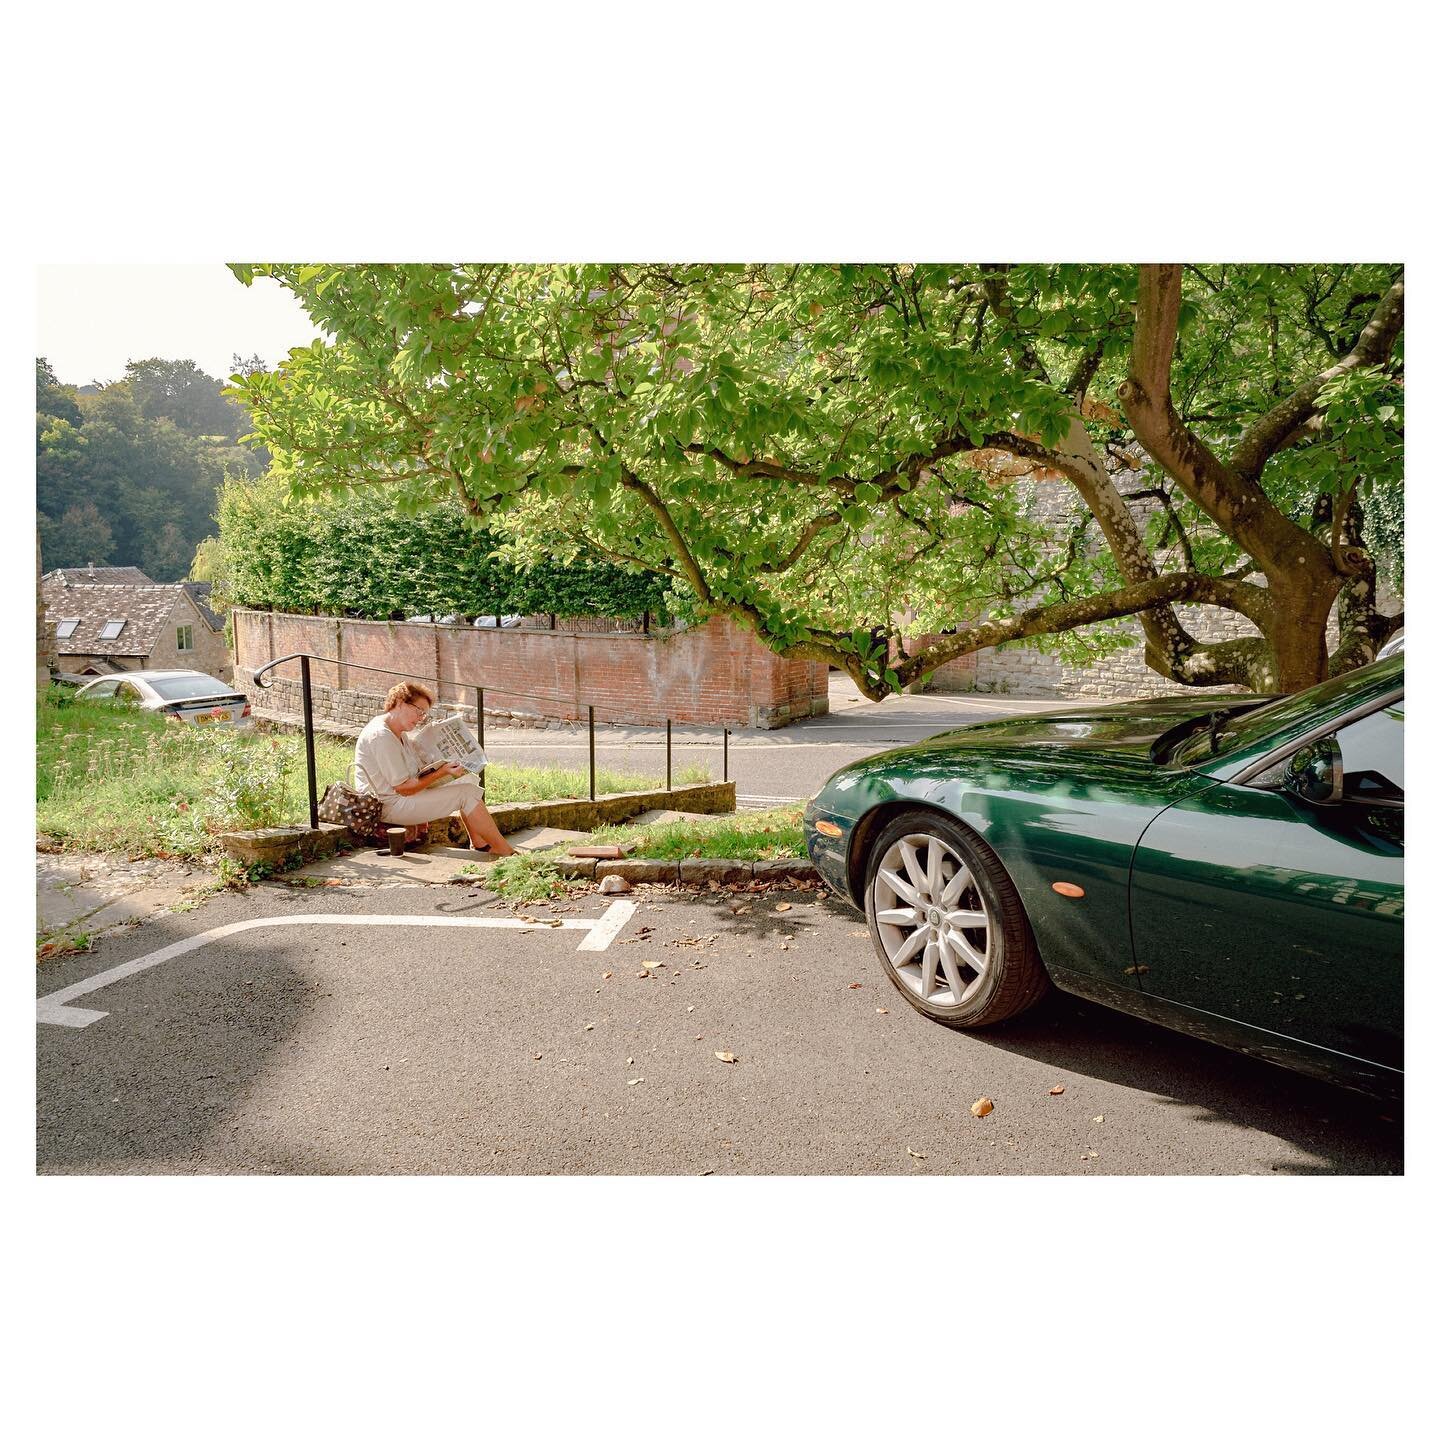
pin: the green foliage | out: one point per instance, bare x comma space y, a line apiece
245, 786
119, 481
801, 446
523, 878
367, 557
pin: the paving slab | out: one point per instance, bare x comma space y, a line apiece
439, 865
91, 893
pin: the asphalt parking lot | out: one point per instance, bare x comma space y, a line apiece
317, 1047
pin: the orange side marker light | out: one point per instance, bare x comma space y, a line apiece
1065, 888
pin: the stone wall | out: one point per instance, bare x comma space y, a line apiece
712, 674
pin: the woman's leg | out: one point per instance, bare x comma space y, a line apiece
483, 831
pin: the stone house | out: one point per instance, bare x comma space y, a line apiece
105, 626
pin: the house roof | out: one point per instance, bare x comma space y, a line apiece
199, 592
144, 609
101, 575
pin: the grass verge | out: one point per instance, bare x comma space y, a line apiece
755, 835
111, 777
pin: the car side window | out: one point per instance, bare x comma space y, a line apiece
104, 690
1372, 750
128, 693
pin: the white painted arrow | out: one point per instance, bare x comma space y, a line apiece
55, 1009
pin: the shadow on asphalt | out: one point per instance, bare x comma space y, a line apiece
176, 1063
1214, 1084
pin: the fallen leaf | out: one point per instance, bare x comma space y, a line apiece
1137, 969
689, 1008
1057, 1089
589, 1027
537, 1057
652, 964
638, 1080
913, 1154
607, 975
983, 1106
881, 1010
726, 1056
856, 985
783, 905
1099, 1119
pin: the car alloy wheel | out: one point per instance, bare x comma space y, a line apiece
932, 921
948, 922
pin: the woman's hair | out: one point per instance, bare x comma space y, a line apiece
407, 692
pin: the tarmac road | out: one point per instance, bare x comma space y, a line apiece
321, 1049
768, 766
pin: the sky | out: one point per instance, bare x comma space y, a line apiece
93, 319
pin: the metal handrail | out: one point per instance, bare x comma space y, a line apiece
307, 709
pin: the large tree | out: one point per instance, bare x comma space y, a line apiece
814, 449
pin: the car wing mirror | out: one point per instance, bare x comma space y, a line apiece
1315, 773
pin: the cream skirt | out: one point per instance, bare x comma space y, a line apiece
433, 804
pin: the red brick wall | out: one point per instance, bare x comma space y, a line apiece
714, 674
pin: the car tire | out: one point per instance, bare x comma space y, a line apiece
965, 975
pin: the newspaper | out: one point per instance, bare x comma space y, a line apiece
447, 740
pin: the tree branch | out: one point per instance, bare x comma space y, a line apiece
1236, 504
1270, 431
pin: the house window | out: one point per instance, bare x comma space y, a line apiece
184, 639
65, 629
111, 629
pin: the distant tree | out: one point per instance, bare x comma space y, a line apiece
181, 392
52, 399
80, 536
167, 553
240, 365
152, 484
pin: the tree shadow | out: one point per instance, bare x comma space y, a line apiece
151, 1086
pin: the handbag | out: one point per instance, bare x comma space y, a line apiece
343, 805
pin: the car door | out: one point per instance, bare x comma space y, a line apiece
1281, 920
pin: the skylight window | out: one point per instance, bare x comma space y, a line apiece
65, 629
111, 629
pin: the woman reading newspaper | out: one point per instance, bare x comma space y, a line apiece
411, 791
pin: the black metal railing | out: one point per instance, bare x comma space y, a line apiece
307, 706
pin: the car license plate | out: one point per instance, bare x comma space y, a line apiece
206, 717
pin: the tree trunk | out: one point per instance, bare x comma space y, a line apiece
1296, 636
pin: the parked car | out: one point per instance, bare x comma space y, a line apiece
1230, 867
186, 695
1395, 645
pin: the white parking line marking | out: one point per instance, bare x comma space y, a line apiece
55, 1008
610, 924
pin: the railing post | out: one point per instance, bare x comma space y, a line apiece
668, 785
309, 740
725, 764
592, 751
480, 723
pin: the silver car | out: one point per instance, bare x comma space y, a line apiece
186, 695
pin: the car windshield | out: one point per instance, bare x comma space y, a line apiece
186, 687
1237, 732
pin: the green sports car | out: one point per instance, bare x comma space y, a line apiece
1230, 866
